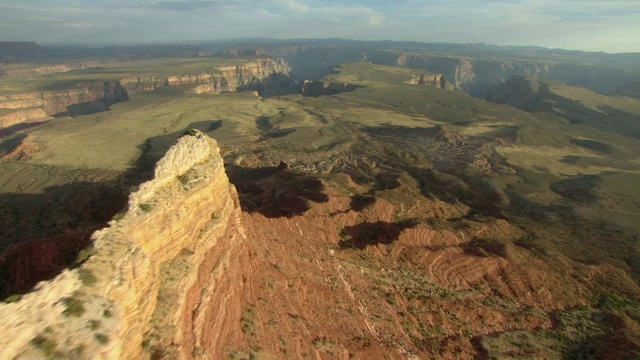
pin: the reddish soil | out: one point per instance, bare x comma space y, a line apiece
338, 283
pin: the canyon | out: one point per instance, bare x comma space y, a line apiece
86, 98
472, 68
242, 206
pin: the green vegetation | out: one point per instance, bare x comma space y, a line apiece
101, 338
47, 346
73, 307
146, 207
84, 255
94, 324
248, 320
13, 298
87, 277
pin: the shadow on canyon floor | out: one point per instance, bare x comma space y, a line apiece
381, 232
275, 191
45, 232
10, 130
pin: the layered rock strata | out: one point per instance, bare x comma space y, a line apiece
160, 276
436, 80
475, 75
98, 96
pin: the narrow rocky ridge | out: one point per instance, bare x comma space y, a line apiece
160, 276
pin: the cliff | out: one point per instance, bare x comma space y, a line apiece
221, 79
476, 75
159, 277
97, 96
23, 116
319, 88
33, 71
436, 80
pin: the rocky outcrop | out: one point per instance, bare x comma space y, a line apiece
318, 88
86, 98
436, 80
23, 116
159, 278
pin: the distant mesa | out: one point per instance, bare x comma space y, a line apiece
436, 80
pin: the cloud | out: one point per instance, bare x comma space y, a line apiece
78, 25
185, 5
609, 25
377, 20
334, 13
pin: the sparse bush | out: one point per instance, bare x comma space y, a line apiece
85, 254
13, 298
46, 345
146, 207
87, 277
73, 307
94, 324
120, 215
184, 179
101, 338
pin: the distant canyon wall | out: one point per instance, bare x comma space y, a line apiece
475, 76
93, 97
166, 274
33, 71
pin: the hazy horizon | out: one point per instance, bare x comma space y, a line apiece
587, 25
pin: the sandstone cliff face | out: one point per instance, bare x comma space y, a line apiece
436, 80
160, 277
86, 98
222, 79
98, 96
23, 116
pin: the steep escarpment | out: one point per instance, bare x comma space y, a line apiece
160, 276
531, 94
319, 88
267, 76
33, 71
222, 79
436, 80
476, 75
85, 98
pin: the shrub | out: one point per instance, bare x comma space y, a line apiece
101, 338
73, 307
87, 277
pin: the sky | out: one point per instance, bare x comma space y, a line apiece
593, 25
